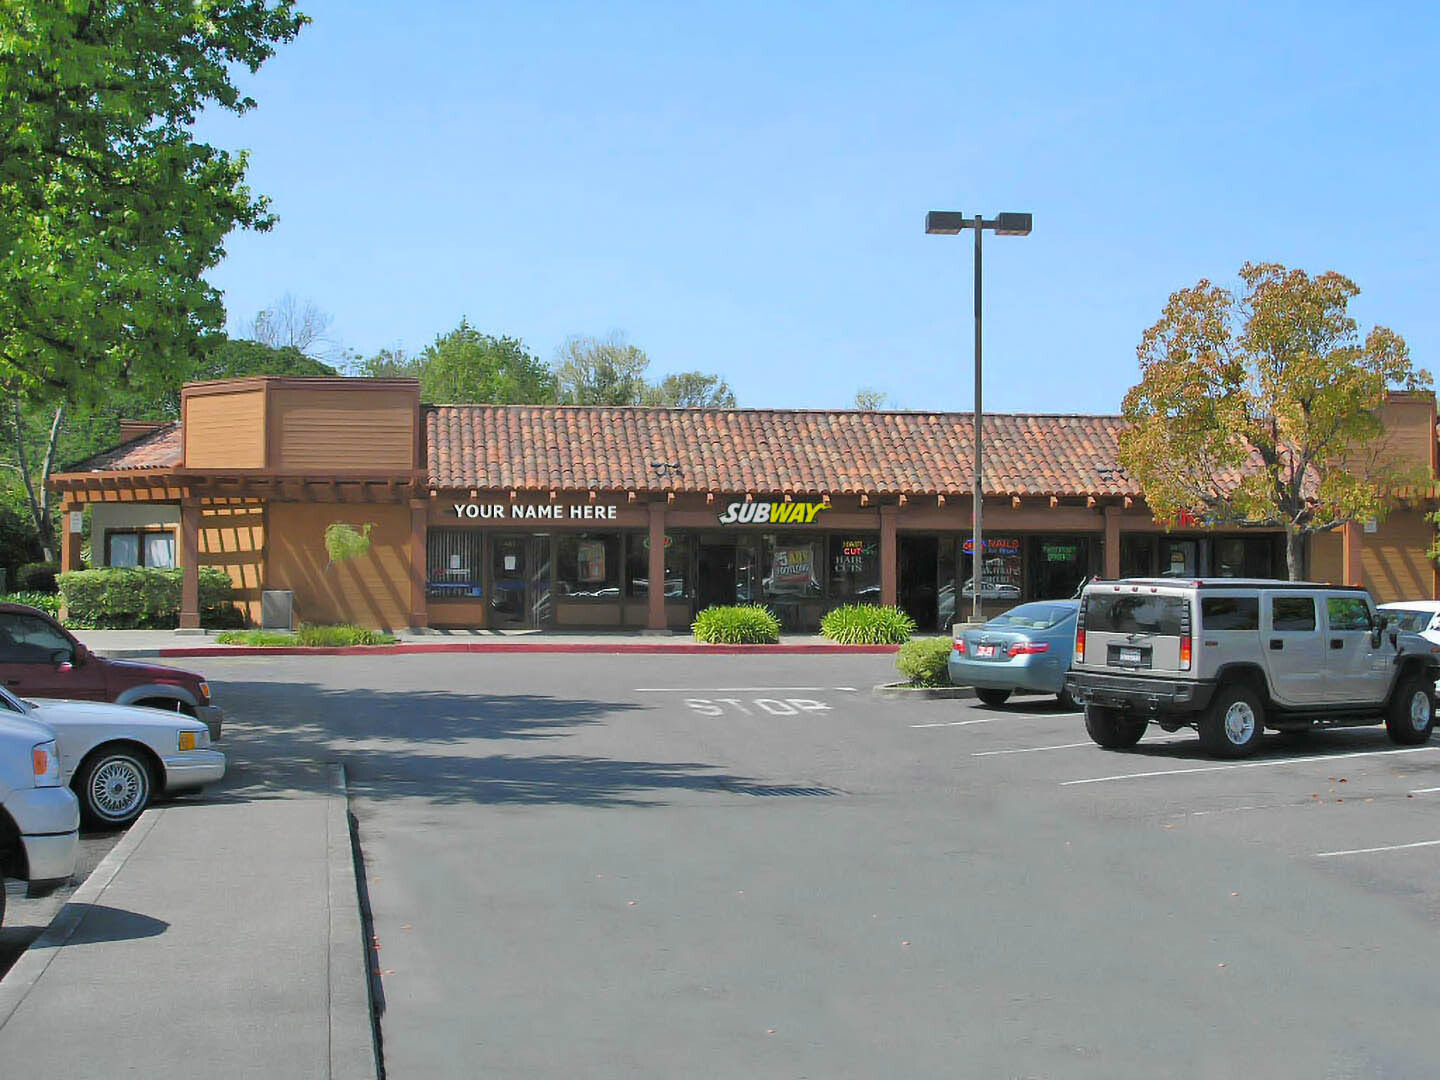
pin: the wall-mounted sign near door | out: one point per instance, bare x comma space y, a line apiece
532, 512
771, 513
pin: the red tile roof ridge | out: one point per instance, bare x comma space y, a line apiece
779, 410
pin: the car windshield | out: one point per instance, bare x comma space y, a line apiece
1410, 620
11, 703
1032, 617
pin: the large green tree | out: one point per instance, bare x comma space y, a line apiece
465, 365
110, 210
601, 371
691, 390
1262, 406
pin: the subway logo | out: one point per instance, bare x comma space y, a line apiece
771, 513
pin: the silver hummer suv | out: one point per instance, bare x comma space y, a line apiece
1233, 657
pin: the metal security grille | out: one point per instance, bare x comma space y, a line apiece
453, 563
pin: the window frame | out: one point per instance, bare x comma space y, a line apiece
140, 533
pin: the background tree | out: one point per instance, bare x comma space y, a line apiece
601, 371
1263, 407
691, 390
465, 366
869, 400
289, 323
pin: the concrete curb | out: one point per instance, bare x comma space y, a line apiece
34, 961
902, 690
598, 647
353, 1052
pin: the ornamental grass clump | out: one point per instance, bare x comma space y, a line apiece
924, 661
741, 624
307, 636
867, 624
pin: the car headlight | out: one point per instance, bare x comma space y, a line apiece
45, 760
193, 740
204, 689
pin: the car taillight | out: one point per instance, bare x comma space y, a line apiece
1026, 648
1080, 646
1185, 653
960, 646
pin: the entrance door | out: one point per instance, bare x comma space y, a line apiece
716, 584
1179, 558
919, 568
519, 582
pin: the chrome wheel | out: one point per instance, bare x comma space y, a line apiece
1239, 723
118, 789
1420, 707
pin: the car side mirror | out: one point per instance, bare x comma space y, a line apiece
82, 654
63, 659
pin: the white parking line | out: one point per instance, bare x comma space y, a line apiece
1247, 765
1063, 746
962, 723
721, 689
1425, 790
1369, 850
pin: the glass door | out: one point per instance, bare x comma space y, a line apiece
509, 580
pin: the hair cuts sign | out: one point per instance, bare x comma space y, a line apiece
771, 513
535, 512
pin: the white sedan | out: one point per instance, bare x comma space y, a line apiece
116, 757
1417, 617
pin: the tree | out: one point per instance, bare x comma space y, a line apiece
869, 400
1263, 407
596, 371
390, 364
691, 390
110, 210
289, 323
465, 366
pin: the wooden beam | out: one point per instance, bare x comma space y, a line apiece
1090, 502
1129, 502
940, 500
1014, 502
1054, 502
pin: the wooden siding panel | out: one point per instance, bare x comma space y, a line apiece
232, 538
319, 430
1410, 430
225, 431
1327, 557
1393, 559
371, 591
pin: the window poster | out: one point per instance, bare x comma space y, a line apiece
793, 570
850, 555
590, 557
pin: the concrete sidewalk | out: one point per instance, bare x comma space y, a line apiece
217, 939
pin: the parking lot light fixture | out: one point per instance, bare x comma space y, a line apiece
952, 223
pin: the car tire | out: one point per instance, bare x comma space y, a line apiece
1113, 728
1410, 716
114, 785
2, 902
1068, 703
993, 698
1234, 723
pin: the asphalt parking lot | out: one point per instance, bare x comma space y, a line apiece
679, 866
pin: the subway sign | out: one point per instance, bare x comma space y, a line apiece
771, 513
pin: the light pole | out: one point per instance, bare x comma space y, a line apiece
950, 223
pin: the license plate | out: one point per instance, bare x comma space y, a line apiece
1129, 656
984, 652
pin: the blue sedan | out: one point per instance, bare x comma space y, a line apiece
1027, 648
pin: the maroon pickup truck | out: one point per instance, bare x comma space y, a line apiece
40, 658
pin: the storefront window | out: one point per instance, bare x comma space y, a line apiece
792, 569
453, 565
855, 568
678, 584
1002, 572
1058, 566
1137, 556
1244, 557
587, 566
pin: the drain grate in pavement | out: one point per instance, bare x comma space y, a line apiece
772, 790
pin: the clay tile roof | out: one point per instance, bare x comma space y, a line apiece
159, 449
764, 450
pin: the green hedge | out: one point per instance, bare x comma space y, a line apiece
36, 577
742, 624
308, 636
867, 624
141, 598
49, 602
923, 661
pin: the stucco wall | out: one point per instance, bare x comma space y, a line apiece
372, 591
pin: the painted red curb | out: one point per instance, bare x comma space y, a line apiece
677, 648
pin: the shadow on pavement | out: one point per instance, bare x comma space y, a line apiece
430, 744
101, 923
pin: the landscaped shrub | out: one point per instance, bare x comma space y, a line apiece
923, 661
142, 598
867, 624
45, 601
309, 636
742, 624
36, 577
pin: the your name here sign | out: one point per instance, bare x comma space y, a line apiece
531, 512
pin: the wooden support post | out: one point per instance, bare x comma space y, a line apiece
1112, 542
889, 555
419, 608
1351, 569
655, 616
189, 556
71, 536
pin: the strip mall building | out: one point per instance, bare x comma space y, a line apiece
508, 516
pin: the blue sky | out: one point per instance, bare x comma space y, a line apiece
741, 187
